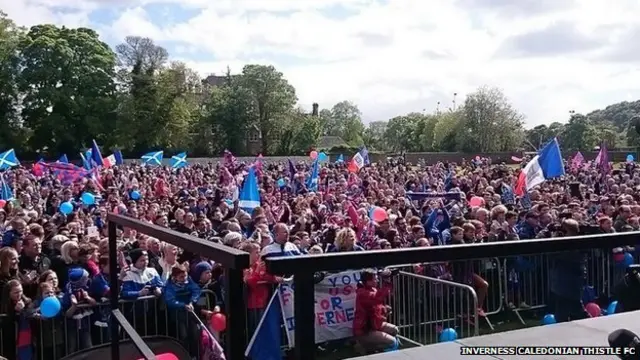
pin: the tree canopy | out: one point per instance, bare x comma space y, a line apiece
61, 87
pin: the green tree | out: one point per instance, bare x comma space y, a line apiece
298, 132
12, 133
374, 136
446, 129
490, 123
579, 134
343, 120
68, 89
271, 96
229, 114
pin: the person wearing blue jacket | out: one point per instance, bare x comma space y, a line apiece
141, 281
436, 223
180, 295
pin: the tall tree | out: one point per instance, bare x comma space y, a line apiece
11, 129
144, 102
490, 123
67, 81
271, 95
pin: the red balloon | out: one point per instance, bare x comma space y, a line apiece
476, 201
618, 257
593, 309
218, 322
3, 203
379, 214
313, 155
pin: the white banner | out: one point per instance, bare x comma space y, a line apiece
335, 298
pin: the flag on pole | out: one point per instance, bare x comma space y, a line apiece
178, 161
6, 193
546, 165
265, 342
63, 159
312, 181
96, 156
153, 158
602, 160
249, 196
8, 159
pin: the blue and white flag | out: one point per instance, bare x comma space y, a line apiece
312, 181
8, 159
5, 190
179, 161
86, 159
265, 342
249, 196
63, 159
153, 158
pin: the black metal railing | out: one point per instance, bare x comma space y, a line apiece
234, 262
304, 267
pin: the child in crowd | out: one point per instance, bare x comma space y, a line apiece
77, 305
180, 295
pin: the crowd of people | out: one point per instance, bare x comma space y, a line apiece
48, 253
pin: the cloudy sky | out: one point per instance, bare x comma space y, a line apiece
390, 56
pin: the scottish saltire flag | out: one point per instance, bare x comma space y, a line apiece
265, 342
602, 160
312, 181
8, 159
153, 158
63, 159
5, 190
96, 156
86, 159
546, 165
249, 196
178, 161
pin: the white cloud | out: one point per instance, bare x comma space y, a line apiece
389, 56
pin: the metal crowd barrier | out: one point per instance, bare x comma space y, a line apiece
61, 336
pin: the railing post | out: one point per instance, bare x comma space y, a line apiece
304, 305
236, 313
114, 289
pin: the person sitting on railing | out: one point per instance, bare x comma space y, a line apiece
16, 330
370, 326
181, 294
77, 306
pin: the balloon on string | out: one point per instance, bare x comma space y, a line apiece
548, 319
627, 260
66, 208
313, 155
593, 309
448, 335
323, 157
379, 214
476, 201
630, 158
50, 307
611, 309
618, 258
2, 203
218, 322
88, 199
135, 195
281, 183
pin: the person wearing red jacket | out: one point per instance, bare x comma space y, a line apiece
370, 326
258, 282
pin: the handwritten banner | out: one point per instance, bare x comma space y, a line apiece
335, 299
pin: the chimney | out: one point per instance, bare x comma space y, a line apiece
314, 112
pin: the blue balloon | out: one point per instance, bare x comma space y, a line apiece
66, 208
630, 158
50, 307
323, 157
229, 202
88, 199
628, 260
549, 319
135, 195
611, 309
448, 335
281, 183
